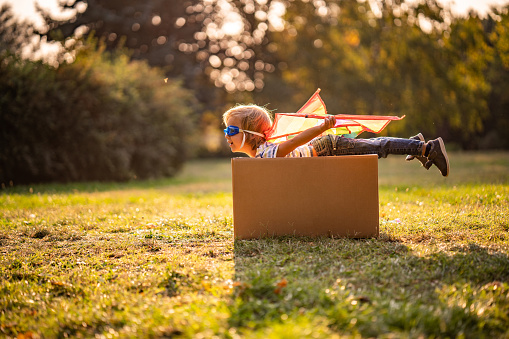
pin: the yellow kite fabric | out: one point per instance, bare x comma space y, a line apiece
286, 125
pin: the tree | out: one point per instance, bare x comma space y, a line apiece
369, 57
103, 117
497, 123
212, 45
186, 36
153, 30
387, 58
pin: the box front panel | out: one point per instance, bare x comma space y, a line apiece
336, 196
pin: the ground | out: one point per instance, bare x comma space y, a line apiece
158, 259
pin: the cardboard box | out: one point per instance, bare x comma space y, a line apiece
319, 196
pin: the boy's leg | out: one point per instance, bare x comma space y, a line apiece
332, 145
336, 145
421, 159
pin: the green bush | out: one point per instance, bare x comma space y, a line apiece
102, 117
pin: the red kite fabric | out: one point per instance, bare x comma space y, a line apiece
286, 125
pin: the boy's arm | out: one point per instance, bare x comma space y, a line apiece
304, 137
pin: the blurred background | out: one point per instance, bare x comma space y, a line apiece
124, 89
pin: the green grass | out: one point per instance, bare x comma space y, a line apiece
158, 259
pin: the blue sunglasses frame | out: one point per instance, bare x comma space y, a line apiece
231, 130
234, 130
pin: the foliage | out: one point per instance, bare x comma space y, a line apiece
186, 36
389, 58
134, 25
157, 258
498, 76
446, 73
102, 117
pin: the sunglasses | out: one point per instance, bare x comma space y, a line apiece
233, 130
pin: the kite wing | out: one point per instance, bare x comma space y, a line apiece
286, 125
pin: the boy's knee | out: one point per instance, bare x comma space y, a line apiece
323, 146
347, 143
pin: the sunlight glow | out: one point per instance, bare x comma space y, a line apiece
424, 23
156, 20
233, 24
373, 4
275, 16
232, 21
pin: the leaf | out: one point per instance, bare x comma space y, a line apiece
282, 283
26, 335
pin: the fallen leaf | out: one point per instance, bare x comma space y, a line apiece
26, 335
282, 283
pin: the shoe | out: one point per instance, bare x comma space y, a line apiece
422, 159
438, 156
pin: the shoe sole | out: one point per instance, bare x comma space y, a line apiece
412, 157
442, 148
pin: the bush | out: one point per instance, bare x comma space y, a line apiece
102, 117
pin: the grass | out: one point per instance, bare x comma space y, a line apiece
158, 259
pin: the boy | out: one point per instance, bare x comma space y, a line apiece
246, 125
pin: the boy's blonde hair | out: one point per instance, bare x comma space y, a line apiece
253, 118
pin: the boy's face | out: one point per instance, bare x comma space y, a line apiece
236, 140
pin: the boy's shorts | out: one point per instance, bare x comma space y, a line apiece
330, 145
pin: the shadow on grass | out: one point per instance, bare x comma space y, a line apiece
371, 287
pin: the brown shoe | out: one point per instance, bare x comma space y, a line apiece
422, 159
438, 156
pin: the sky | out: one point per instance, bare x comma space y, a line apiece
26, 8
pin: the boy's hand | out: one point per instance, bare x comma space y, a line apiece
329, 122
305, 136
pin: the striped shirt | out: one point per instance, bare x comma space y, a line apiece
269, 150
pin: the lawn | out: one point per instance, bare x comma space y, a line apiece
158, 259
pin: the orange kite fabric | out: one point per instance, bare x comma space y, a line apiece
287, 125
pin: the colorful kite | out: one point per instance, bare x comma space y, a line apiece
287, 125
